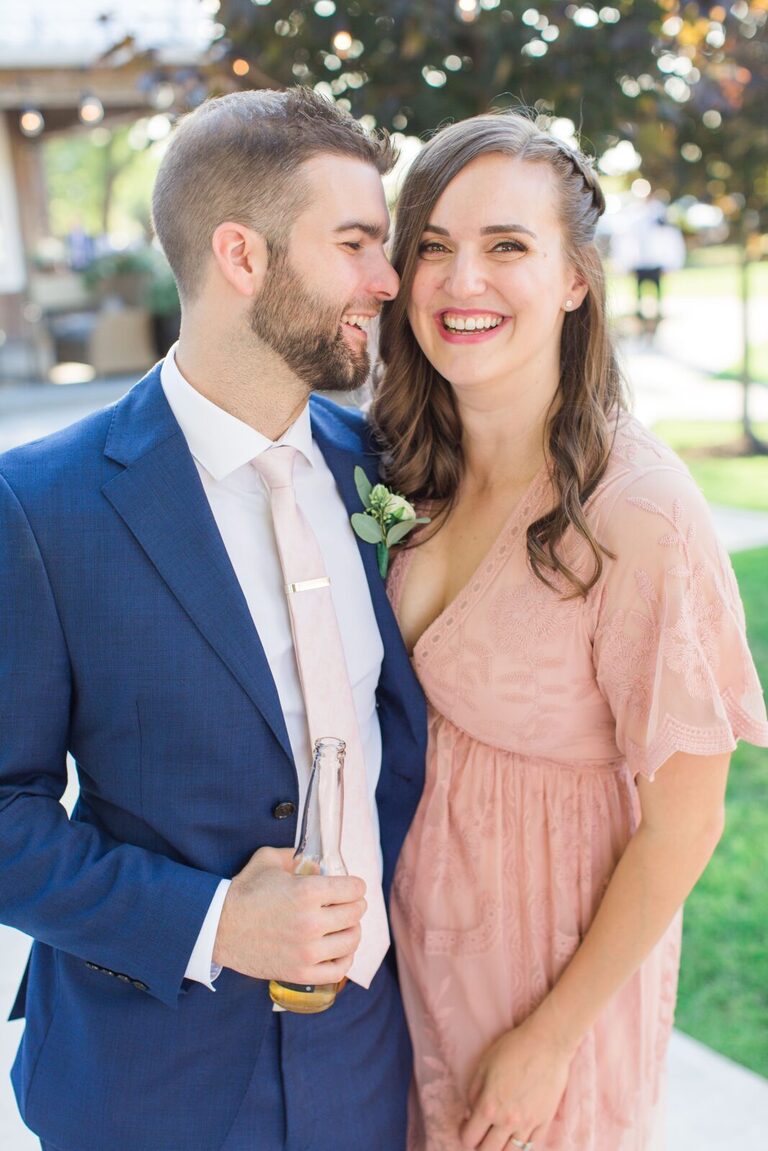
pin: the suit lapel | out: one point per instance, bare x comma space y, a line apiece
343, 452
161, 499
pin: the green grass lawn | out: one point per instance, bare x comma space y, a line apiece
736, 481
723, 998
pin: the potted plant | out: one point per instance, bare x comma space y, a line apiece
124, 275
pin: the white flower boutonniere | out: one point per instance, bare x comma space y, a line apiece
387, 519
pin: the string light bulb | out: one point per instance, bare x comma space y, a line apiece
31, 122
91, 110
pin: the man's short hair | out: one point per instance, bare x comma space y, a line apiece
236, 158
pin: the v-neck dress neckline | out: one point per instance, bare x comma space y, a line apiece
455, 612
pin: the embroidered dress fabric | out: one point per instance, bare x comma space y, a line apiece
542, 711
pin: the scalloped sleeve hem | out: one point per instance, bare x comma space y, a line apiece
681, 737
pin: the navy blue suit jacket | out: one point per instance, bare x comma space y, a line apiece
125, 639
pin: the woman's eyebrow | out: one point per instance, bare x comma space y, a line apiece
490, 230
495, 229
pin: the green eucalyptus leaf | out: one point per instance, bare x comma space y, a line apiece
367, 528
422, 520
363, 485
399, 531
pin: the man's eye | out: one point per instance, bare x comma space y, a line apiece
353, 245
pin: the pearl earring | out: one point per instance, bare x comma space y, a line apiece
568, 305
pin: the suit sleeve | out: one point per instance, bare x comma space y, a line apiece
116, 906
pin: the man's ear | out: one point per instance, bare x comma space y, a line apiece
242, 257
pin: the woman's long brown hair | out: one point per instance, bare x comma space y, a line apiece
414, 411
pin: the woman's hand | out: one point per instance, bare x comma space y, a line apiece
517, 1086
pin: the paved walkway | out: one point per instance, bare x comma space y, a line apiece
714, 1104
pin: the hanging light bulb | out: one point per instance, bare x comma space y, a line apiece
31, 122
91, 110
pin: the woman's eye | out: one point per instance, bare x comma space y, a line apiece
510, 246
428, 247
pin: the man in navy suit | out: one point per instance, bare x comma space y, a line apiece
144, 630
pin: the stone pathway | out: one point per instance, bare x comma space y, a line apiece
14, 948
740, 529
714, 1104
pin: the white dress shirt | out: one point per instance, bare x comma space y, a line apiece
222, 448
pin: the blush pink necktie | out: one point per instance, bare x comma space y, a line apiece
327, 692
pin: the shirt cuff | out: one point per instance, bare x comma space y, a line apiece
201, 967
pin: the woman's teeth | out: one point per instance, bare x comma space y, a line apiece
471, 323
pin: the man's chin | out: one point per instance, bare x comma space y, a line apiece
348, 378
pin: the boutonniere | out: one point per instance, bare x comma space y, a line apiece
387, 519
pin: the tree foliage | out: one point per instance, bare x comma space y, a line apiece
410, 66
100, 186
686, 82
715, 61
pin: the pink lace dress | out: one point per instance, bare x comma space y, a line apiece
542, 712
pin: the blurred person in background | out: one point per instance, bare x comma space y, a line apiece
81, 246
648, 246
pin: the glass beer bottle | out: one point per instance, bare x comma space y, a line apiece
318, 853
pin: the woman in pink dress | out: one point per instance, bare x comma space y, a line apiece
578, 632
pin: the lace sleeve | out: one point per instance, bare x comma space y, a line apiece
670, 648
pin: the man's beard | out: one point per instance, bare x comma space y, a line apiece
305, 331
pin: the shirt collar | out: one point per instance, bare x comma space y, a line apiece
220, 442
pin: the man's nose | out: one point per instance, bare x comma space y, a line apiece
384, 281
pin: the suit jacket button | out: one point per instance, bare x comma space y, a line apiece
284, 810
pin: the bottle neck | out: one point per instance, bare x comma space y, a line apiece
320, 841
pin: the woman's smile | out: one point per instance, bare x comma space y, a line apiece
469, 325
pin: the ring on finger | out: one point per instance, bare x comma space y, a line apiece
521, 1143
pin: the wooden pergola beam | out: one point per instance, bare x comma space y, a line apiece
57, 92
